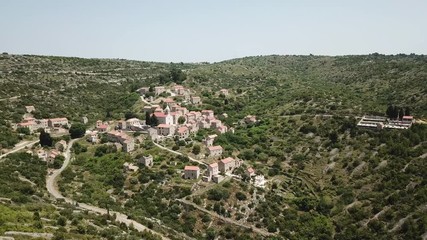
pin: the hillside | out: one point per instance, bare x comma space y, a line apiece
326, 178
317, 84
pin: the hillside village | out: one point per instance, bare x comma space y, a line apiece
173, 121
166, 118
225, 153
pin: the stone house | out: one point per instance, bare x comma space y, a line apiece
182, 133
195, 100
191, 172
165, 129
213, 170
208, 141
58, 122
227, 165
127, 142
146, 160
215, 151
159, 90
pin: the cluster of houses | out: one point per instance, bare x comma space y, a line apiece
385, 123
33, 124
175, 120
47, 124
50, 155
217, 170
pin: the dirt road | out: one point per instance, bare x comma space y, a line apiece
54, 191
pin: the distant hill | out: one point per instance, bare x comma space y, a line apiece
321, 84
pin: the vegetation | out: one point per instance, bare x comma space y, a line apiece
77, 130
327, 179
45, 139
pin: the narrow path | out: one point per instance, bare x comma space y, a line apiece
19, 147
53, 190
228, 220
181, 154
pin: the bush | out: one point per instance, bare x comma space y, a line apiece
241, 196
77, 130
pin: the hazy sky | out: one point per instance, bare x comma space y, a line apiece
214, 30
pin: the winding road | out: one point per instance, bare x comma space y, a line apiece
52, 188
19, 147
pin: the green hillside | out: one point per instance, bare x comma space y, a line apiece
327, 179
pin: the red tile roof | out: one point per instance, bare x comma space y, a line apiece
163, 125
213, 148
227, 160
182, 129
159, 115
103, 126
191, 168
213, 165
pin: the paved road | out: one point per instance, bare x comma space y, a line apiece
181, 154
53, 190
20, 147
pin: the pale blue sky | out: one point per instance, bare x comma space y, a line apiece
215, 30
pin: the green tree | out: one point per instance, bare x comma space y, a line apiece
129, 115
196, 149
181, 120
147, 118
177, 75
45, 139
154, 121
23, 130
77, 130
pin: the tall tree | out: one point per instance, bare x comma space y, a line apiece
77, 130
401, 113
177, 75
129, 115
45, 139
181, 120
154, 121
407, 111
147, 118
389, 111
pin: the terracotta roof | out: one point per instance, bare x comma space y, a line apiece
227, 160
159, 114
213, 136
168, 100
182, 129
213, 165
213, 148
250, 170
26, 124
408, 117
29, 119
58, 119
103, 126
163, 125
191, 168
